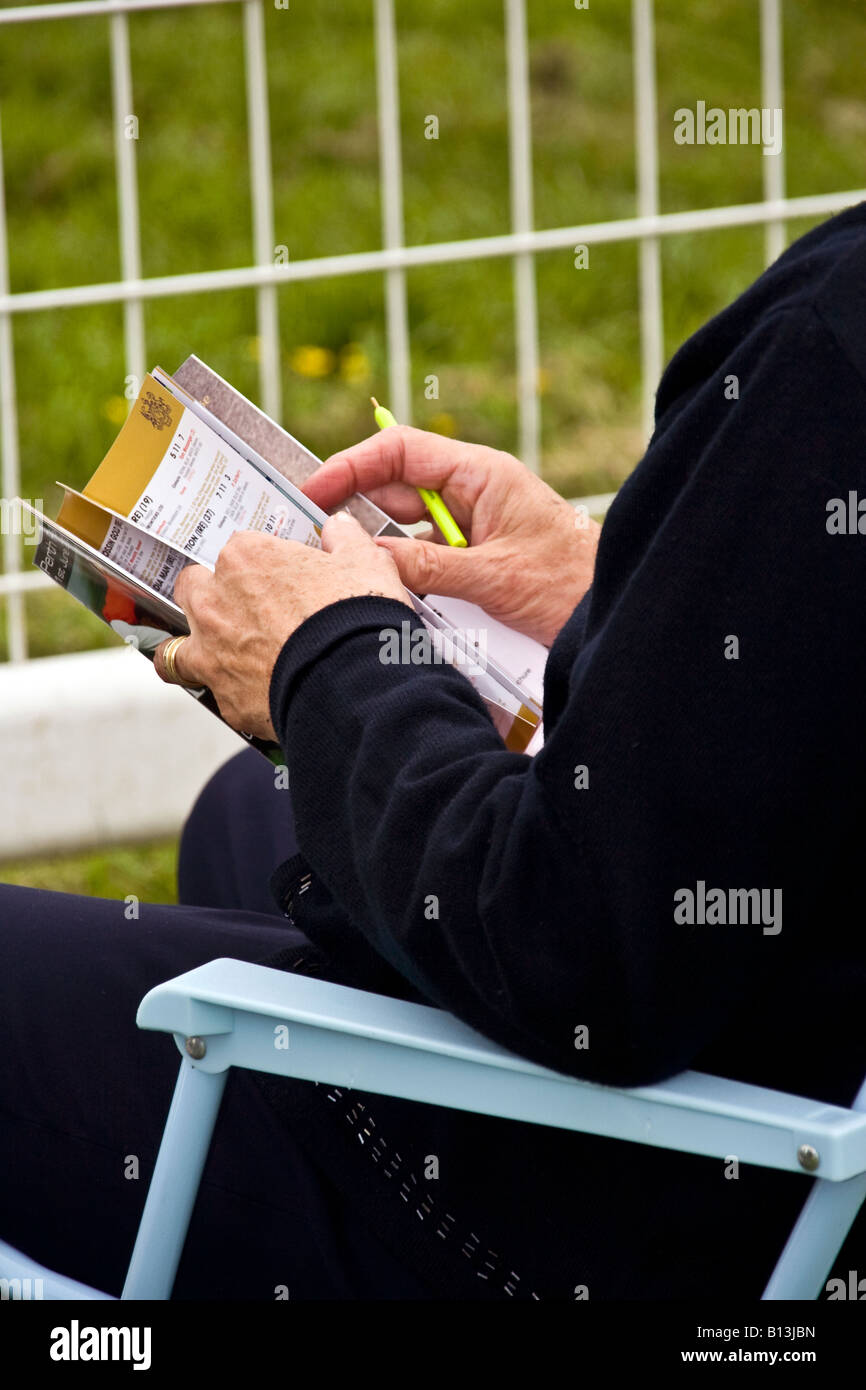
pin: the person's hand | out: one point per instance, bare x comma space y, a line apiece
261, 590
531, 555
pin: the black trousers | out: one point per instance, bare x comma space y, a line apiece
84, 1093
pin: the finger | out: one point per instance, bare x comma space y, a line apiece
189, 583
186, 663
399, 500
395, 455
425, 567
342, 533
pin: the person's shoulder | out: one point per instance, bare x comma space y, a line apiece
813, 271
839, 295
801, 275
823, 271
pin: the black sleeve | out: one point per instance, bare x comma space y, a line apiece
715, 671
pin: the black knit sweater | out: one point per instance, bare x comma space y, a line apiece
712, 683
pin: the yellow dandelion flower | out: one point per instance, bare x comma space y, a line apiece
354, 364
312, 361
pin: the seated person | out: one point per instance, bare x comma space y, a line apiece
670, 883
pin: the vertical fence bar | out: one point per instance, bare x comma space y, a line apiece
262, 190
646, 146
125, 137
520, 173
391, 177
772, 83
16, 626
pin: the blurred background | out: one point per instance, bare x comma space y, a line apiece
196, 215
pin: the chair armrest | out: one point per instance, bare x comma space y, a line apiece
22, 1278
272, 1021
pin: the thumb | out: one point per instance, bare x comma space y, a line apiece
429, 568
341, 532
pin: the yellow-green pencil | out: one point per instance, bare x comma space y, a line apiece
432, 501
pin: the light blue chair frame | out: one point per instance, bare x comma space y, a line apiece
230, 1013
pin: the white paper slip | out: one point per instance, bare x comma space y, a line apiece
202, 491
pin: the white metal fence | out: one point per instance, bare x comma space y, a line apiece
521, 242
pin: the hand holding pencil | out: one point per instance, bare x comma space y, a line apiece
531, 558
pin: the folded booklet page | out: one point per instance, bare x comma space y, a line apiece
179, 481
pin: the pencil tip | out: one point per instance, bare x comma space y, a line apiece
375, 402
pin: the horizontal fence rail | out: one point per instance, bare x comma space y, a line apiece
95, 9
433, 253
522, 243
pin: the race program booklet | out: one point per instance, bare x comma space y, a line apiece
179, 481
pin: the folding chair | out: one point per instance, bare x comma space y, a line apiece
233, 1014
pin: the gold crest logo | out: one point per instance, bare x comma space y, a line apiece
155, 411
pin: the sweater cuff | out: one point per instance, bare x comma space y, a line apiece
319, 634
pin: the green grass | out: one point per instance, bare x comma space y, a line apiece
149, 871
188, 83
